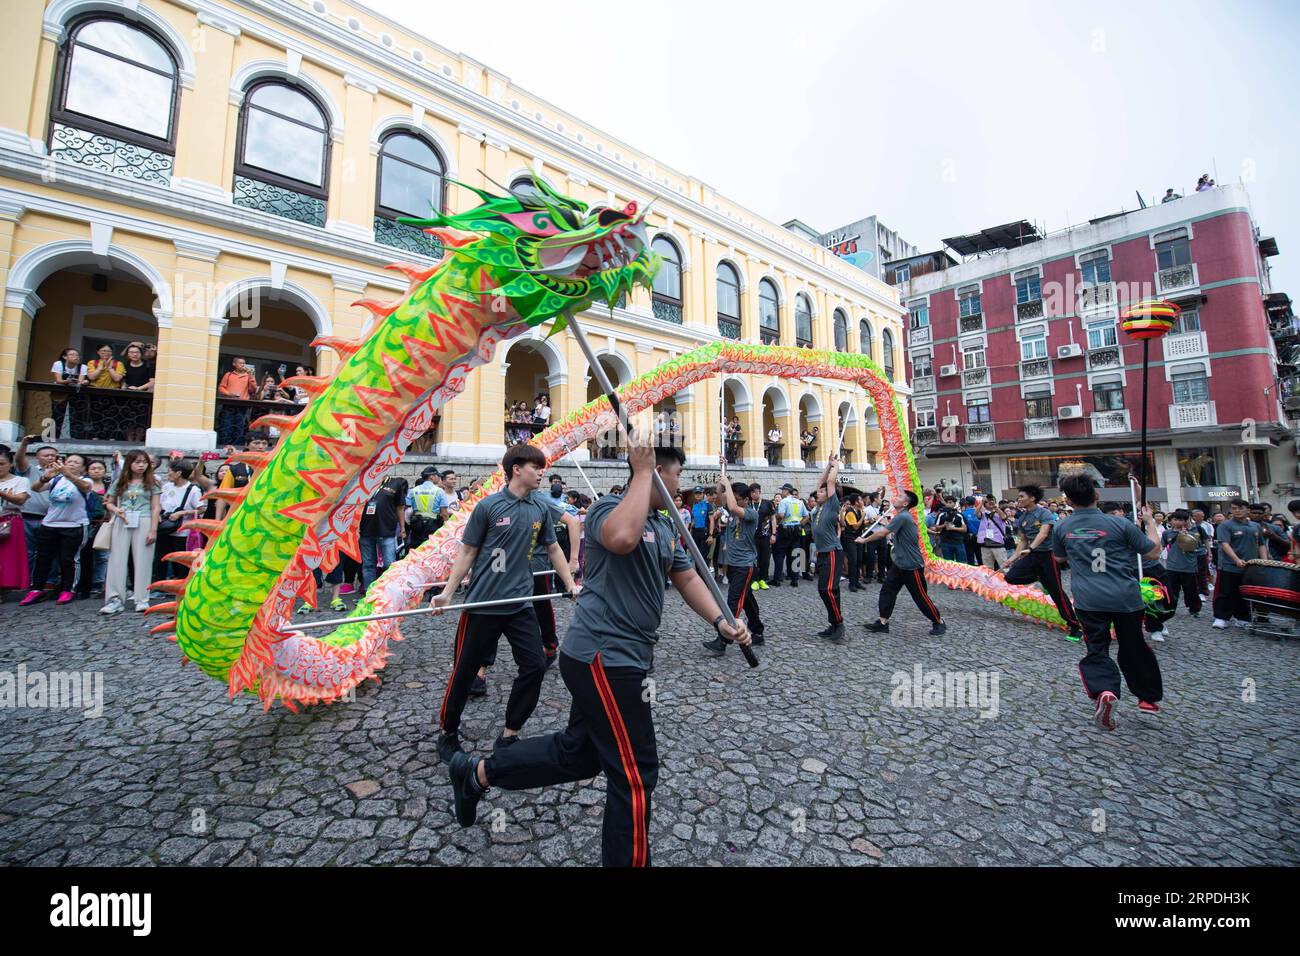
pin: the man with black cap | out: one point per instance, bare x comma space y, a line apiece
631, 544
429, 504
789, 521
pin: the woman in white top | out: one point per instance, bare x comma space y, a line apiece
14, 492
68, 370
133, 507
180, 501
62, 534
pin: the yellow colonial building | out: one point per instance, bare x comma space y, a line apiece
222, 178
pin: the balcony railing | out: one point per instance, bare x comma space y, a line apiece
979, 432
518, 432
235, 417
972, 377
1029, 310
666, 311
1184, 345
1192, 415
728, 328
109, 155
971, 323
919, 336
85, 414
1036, 368
1176, 279
926, 435
734, 448
1039, 428
923, 383
1108, 356
399, 235
769, 336
1096, 298
1110, 423
278, 201
772, 451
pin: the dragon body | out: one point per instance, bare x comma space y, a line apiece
512, 263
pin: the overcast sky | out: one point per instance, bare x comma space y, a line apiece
942, 118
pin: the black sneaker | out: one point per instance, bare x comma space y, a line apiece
938, 629
774, 584
807, 577
479, 687
794, 582
465, 793
715, 647
756, 639
550, 662
875, 627
836, 635
1075, 635
449, 746
826, 631
503, 741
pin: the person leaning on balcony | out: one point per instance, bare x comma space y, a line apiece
239, 383
106, 372
68, 370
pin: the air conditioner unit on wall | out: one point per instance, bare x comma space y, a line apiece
1073, 350
951, 421
947, 371
1070, 411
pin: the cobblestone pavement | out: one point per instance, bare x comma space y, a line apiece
807, 760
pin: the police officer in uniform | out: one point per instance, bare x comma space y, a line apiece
631, 545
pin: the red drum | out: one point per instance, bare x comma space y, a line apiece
1275, 582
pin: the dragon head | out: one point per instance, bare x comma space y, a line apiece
550, 254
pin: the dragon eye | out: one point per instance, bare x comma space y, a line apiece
609, 217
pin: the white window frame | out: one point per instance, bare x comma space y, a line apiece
1030, 340
1091, 327
974, 349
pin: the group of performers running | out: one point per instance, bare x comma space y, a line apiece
632, 546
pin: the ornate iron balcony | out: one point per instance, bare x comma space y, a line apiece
1178, 277
979, 432
728, 328
1110, 423
1029, 310
97, 151
1108, 356
1036, 428
278, 201
923, 383
667, 311
399, 235
1036, 368
927, 435
972, 323
769, 336
974, 376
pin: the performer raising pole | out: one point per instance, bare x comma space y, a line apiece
742, 555
830, 552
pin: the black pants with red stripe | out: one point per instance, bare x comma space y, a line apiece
914, 580
546, 614
1041, 566
1137, 661
477, 636
740, 597
830, 565
609, 730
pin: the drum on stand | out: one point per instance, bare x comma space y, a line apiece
1274, 585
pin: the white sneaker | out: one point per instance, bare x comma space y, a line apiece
1236, 623
114, 606
1157, 636
1205, 599
1219, 623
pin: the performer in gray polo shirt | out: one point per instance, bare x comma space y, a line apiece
907, 569
742, 555
1102, 550
830, 551
631, 545
500, 536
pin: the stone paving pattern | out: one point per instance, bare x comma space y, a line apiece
804, 761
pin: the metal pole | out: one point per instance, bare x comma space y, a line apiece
701, 566
1142, 462
434, 584
1137, 518
594, 493
340, 621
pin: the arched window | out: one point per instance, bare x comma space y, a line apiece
728, 301
769, 313
524, 187
410, 184
802, 321
282, 161
864, 338
840, 322
118, 80
887, 346
666, 300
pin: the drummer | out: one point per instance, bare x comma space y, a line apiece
1240, 540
